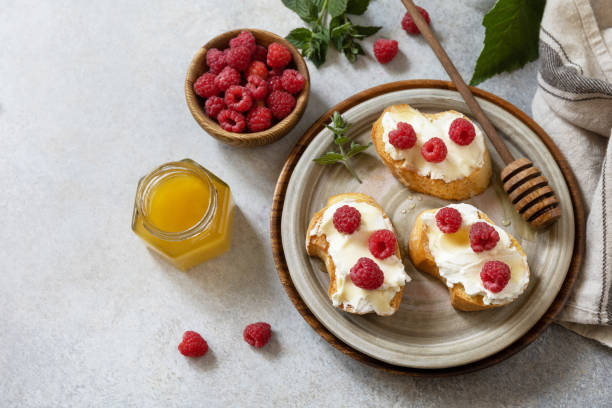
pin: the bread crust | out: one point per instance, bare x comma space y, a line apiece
418, 250
318, 246
460, 189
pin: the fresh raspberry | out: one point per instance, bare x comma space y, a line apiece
205, 85
293, 81
231, 121
434, 150
238, 98
259, 118
462, 131
408, 24
258, 87
215, 59
281, 103
275, 72
382, 244
366, 274
495, 275
448, 220
257, 68
244, 39
226, 78
193, 345
213, 106
238, 57
347, 219
404, 137
260, 54
275, 84
257, 334
483, 237
385, 50
278, 56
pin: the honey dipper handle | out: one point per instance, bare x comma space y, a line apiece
462, 87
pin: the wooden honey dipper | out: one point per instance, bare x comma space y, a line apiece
526, 186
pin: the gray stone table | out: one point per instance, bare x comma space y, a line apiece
91, 98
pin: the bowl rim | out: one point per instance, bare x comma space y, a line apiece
280, 129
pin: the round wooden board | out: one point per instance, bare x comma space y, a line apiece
529, 336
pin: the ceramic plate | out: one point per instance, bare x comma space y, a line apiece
426, 332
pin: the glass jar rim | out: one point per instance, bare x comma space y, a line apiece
151, 180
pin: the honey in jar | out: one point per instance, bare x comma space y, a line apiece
184, 213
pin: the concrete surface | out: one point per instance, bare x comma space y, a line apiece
91, 98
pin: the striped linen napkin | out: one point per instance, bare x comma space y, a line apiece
573, 104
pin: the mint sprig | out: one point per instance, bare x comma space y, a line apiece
329, 24
511, 37
339, 127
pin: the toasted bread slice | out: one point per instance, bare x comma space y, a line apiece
472, 184
418, 250
318, 245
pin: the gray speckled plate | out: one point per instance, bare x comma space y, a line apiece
426, 332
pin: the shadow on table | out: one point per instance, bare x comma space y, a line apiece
549, 366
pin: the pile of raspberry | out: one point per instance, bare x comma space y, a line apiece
248, 87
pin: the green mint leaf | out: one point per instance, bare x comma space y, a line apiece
357, 7
319, 4
329, 158
291, 5
300, 37
356, 149
364, 31
336, 7
511, 37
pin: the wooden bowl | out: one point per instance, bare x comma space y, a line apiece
196, 104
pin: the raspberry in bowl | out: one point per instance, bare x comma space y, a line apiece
247, 87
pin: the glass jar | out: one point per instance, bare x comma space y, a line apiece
184, 213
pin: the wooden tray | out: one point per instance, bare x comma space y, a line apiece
361, 335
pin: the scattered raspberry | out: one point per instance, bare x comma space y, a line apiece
213, 106
448, 220
215, 59
205, 85
278, 56
231, 121
238, 57
408, 24
281, 103
434, 150
193, 345
259, 118
244, 39
404, 137
238, 98
292, 81
382, 244
260, 54
495, 275
347, 219
257, 68
385, 50
461, 131
275, 83
366, 274
483, 237
258, 87
257, 334
226, 78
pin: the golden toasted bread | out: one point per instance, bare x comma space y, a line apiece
475, 183
317, 245
418, 250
